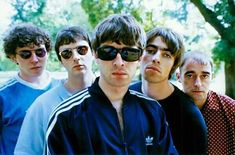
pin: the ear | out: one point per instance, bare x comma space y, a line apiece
13, 59
178, 76
213, 75
141, 57
92, 52
61, 63
95, 56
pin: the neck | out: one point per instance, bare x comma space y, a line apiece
38, 79
200, 103
77, 83
158, 91
114, 93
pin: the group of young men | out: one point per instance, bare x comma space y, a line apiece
108, 114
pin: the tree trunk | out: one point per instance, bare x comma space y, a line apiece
230, 79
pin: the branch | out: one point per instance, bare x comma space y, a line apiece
209, 17
231, 5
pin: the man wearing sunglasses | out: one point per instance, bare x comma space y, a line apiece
27, 46
73, 49
108, 118
163, 54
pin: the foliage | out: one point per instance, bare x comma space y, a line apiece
98, 10
6, 64
52, 16
23, 14
221, 15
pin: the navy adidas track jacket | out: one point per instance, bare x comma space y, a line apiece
87, 123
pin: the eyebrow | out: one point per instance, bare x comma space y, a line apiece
39, 48
190, 72
157, 47
204, 72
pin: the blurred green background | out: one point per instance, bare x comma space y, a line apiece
207, 25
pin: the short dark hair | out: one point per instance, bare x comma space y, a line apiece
25, 34
119, 28
69, 35
173, 41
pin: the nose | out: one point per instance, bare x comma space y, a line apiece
197, 82
34, 57
118, 61
76, 57
156, 57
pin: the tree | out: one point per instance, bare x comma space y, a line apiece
28, 11
50, 15
98, 10
221, 16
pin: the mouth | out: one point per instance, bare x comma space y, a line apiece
153, 68
80, 67
119, 73
36, 67
197, 91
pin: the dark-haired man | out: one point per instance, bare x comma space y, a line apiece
108, 118
161, 57
28, 46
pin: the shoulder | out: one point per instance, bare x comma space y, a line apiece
180, 96
145, 101
53, 92
55, 82
47, 99
74, 101
224, 103
140, 95
136, 86
65, 108
224, 99
8, 84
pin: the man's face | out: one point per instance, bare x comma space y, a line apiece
76, 57
195, 79
116, 72
31, 60
157, 62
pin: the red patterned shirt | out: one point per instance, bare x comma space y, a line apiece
219, 114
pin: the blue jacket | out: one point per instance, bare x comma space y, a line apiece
87, 123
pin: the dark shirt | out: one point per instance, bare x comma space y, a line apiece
87, 123
188, 128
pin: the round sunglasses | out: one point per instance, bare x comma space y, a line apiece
127, 53
66, 54
26, 54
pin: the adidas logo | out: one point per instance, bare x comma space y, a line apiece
149, 140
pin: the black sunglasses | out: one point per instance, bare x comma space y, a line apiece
66, 54
127, 53
26, 54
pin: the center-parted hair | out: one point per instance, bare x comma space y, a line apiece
173, 41
69, 35
119, 28
25, 34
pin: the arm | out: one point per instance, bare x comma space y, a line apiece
1, 124
31, 137
59, 138
165, 139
